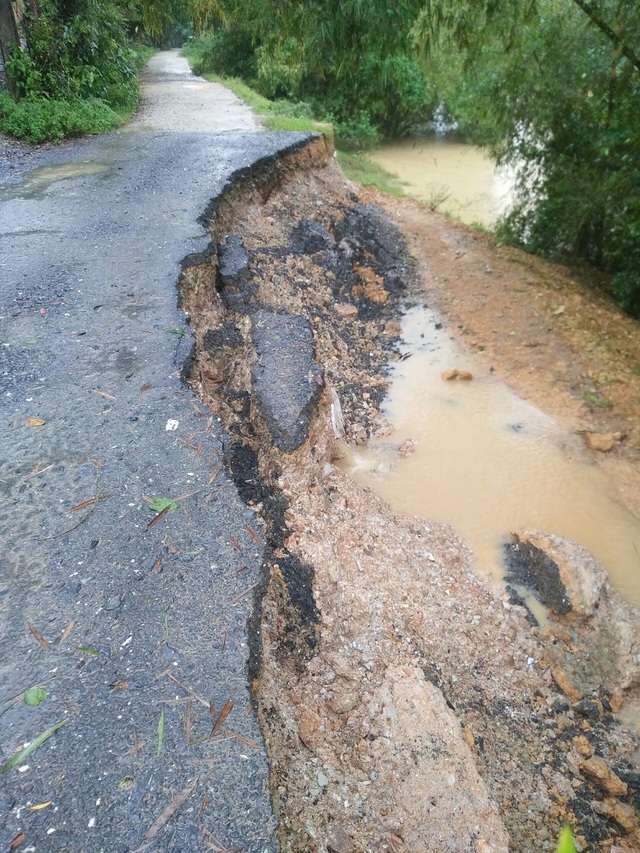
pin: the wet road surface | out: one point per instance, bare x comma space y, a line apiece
130, 628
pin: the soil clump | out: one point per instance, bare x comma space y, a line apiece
406, 703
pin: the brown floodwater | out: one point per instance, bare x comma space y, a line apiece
452, 177
488, 462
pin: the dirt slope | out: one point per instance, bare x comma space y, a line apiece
405, 703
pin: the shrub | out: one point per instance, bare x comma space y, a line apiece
40, 120
229, 52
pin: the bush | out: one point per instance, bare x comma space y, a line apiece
229, 52
356, 135
82, 55
40, 120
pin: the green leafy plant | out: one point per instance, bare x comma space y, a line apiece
566, 843
34, 696
162, 504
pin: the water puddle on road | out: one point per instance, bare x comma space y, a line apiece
452, 177
36, 181
488, 462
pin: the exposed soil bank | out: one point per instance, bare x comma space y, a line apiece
405, 703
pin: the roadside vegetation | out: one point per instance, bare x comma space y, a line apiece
551, 87
72, 66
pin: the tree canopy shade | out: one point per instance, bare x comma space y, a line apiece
465, 22
553, 87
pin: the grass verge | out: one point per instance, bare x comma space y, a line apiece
282, 115
362, 170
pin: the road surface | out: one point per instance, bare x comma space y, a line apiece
126, 629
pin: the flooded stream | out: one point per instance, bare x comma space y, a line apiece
452, 177
488, 462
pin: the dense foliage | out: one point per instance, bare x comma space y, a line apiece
352, 60
554, 88
76, 71
551, 86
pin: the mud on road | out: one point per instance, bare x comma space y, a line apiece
406, 704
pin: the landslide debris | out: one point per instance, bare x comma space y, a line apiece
406, 704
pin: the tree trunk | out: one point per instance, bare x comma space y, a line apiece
8, 35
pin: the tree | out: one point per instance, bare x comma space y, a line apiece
351, 58
8, 36
553, 87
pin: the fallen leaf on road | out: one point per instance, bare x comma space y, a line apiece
34, 696
244, 740
40, 806
66, 632
160, 735
103, 394
36, 422
166, 814
252, 533
83, 505
160, 504
17, 840
39, 471
222, 716
30, 747
157, 517
38, 636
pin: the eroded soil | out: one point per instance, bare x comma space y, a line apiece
406, 704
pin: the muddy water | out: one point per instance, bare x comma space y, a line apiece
38, 180
488, 462
452, 177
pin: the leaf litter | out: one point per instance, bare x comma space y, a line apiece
165, 815
30, 747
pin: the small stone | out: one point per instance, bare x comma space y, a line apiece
450, 374
345, 309
582, 745
621, 813
342, 703
560, 705
588, 708
407, 448
465, 375
322, 779
597, 771
310, 729
170, 655
603, 442
340, 841
113, 603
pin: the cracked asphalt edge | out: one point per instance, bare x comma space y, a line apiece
132, 620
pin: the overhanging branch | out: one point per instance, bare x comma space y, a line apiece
610, 33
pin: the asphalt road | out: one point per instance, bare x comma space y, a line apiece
99, 610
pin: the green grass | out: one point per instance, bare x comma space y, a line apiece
362, 170
275, 115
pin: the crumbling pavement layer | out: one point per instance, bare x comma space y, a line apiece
406, 703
